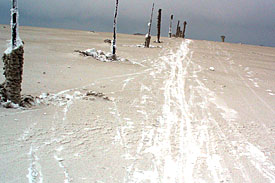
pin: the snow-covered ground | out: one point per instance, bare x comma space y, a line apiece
191, 111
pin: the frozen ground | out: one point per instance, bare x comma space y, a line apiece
191, 111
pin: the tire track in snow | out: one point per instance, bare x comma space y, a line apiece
174, 145
194, 139
34, 171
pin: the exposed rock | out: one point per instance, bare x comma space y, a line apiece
91, 93
108, 41
27, 101
139, 34
81, 52
98, 94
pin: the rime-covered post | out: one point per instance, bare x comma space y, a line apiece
148, 35
159, 26
13, 60
114, 38
170, 26
184, 28
14, 25
178, 29
223, 38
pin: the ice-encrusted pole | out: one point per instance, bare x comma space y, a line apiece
159, 26
148, 35
113, 50
13, 60
184, 29
14, 12
15, 39
170, 26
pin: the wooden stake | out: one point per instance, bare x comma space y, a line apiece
159, 26
170, 27
114, 36
178, 29
184, 28
148, 36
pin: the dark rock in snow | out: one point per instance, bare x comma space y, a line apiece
139, 34
107, 41
27, 101
97, 94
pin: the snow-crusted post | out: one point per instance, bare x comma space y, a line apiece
170, 26
184, 28
14, 25
148, 35
159, 26
113, 49
13, 60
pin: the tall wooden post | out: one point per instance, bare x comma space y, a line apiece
178, 29
159, 26
148, 35
114, 36
170, 27
184, 28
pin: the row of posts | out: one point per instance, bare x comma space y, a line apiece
179, 32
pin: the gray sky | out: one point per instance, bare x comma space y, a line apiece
246, 21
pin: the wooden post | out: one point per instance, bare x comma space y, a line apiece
114, 36
159, 26
178, 29
148, 36
223, 38
170, 27
184, 28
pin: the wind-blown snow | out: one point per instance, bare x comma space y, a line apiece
101, 56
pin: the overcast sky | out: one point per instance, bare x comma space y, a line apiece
245, 21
